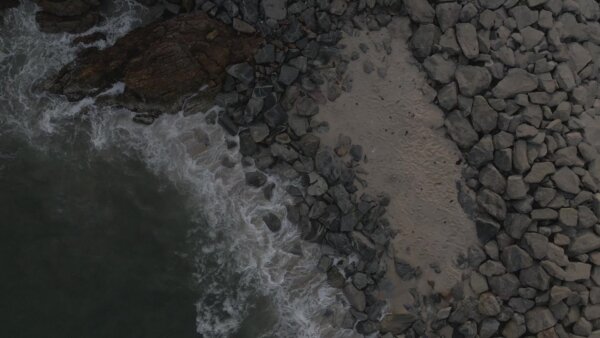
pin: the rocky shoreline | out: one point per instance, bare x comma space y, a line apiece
517, 80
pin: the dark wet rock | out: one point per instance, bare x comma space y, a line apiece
255, 179
272, 222
491, 178
460, 130
356, 297
9, 4
265, 54
275, 116
406, 271
89, 38
396, 323
366, 327
483, 116
328, 165
242, 26
274, 9
173, 58
306, 106
515, 258
50, 23
309, 144
482, 152
342, 198
492, 203
247, 145
243, 72
71, 16
146, 119
486, 228
288, 75
335, 278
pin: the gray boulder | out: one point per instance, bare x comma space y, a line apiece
566, 180
355, 297
420, 11
483, 116
539, 319
439, 68
472, 80
460, 130
492, 203
515, 258
515, 82
466, 34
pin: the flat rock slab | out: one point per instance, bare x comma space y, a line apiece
159, 63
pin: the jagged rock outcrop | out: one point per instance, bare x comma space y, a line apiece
158, 63
71, 16
8, 4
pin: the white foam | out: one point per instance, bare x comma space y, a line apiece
238, 258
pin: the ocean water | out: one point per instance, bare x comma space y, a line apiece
113, 229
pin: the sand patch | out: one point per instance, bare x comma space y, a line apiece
389, 112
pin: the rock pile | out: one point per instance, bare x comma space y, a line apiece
516, 79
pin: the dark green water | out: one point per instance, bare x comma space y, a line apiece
113, 229
91, 245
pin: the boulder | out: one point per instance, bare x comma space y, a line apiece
460, 130
420, 11
466, 34
70, 16
472, 80
492, 203
483, 116
396, 323
172, 58
515, 82
539, 319
355, 297
515, 258
439, 68
566, 180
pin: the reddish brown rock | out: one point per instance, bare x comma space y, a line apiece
8, 4
159, 63
71, 16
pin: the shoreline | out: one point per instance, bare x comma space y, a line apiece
517, 103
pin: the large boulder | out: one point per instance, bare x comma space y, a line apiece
71, 16
8, 4
158, 63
